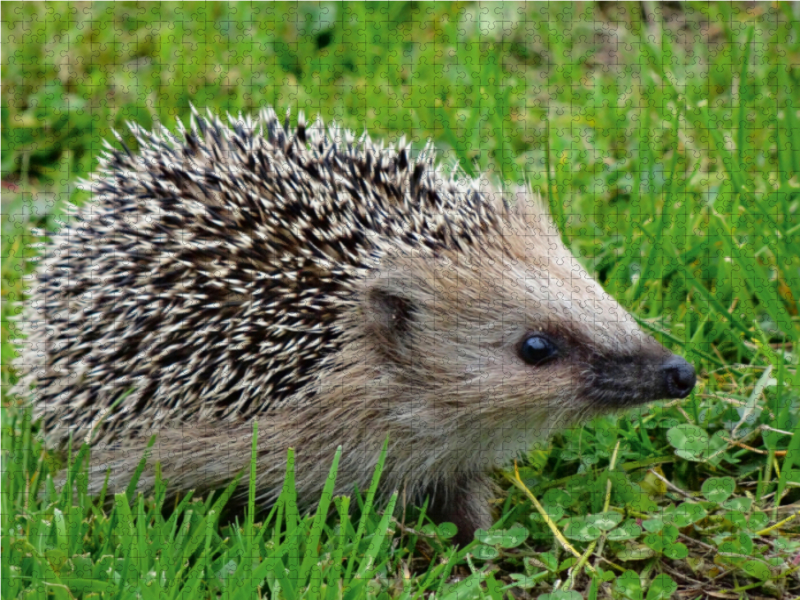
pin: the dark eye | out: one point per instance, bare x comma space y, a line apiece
537, 349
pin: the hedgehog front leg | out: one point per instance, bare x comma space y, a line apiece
465, 504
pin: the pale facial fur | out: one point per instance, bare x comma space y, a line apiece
451, 376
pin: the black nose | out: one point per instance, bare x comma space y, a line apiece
679, 377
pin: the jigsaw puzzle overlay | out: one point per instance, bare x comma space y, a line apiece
394, 298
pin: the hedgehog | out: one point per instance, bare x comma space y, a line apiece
335, 290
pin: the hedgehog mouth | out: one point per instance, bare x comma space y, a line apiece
609, 399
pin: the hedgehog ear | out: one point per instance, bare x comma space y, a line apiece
389, 317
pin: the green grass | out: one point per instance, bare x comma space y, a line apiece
671, 167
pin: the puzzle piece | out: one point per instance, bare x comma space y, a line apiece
334, 291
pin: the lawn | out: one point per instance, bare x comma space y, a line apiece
666, 141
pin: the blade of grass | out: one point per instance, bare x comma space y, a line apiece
373, 488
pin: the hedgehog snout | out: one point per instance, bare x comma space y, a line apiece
629, 380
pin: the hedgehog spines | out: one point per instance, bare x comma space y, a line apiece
227, 252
